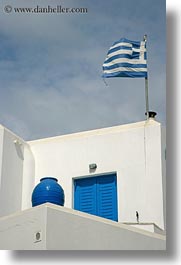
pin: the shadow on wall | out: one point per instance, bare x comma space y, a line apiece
88, 255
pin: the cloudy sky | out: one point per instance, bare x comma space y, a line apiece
51, 66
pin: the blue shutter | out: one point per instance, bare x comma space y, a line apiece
85, 195
107, 197
97, 195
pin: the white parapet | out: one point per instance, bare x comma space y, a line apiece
51, 227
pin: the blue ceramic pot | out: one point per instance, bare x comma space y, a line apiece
48, 190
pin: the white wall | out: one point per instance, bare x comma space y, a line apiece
153, 181
133, 151
28, 177
163, 145
13, 164
65, 229
18, 231
73, 230
136, 152
11, 179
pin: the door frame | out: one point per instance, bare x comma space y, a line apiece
92, 176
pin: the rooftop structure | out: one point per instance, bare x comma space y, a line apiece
115, 175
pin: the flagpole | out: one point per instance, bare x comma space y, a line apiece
146, 86
146, 97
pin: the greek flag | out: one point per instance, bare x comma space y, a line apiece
126, 58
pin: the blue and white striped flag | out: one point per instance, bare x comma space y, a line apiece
126, 58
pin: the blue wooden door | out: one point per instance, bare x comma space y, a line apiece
97, 195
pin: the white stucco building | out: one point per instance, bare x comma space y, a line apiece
132, 156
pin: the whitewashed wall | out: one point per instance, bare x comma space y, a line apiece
16, 173
61, 228
28, 183
163, 156
134, 151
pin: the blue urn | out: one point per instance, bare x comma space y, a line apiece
48, 190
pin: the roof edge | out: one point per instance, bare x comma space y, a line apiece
100, 131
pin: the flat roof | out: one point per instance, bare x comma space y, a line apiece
102, 131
